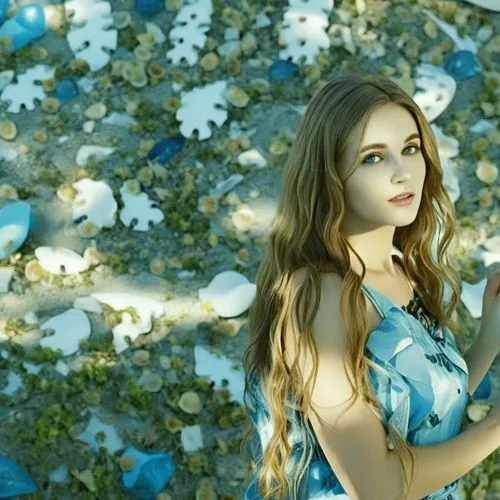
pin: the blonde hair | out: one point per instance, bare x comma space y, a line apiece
305, 233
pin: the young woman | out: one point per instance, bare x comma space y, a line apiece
316, 343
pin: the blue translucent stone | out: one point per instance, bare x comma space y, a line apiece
463, 65
15, 222
282, 70
150, 474
13, 480
483, 390
67, 89
27, 25
148, 7
164, 150
4, 7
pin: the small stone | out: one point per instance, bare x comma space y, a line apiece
8, 130
249, 44
486, 171
8, 192
87, 229
96, 111
66, 193
190, 402
140, 357
237, 97
209, 61
50, 105
157, 266
121, 19
89, 126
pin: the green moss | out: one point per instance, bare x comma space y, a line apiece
40, 355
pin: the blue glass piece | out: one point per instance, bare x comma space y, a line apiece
13, 480
165, 149
483, 390
463, 65
148, 7
150, 474
27, 25
15, 223
4, 7
282, 71
67, 89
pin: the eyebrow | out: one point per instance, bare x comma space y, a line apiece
382, 146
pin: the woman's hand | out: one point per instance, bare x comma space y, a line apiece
490, 321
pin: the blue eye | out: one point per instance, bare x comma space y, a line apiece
376, 154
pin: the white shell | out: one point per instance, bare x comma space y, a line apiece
95, 200
217, 369
230, 293
70, 328
198, 109
189, 32
25, 91
252, 158
59, 260
304, 29
157, 33
146, 309
141, 208
91, 31
438, 90
89, 149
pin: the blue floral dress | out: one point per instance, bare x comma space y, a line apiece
421, 381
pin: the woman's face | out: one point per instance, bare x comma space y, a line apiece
382, 172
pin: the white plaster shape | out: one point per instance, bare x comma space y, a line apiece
218, 369
112, 441
447, 145
141, 208
438, 90
92, 36
60, 260
491, 254
6, 77
465, 43
87, 150
493, 5
26, 90
88, 304
70, 327
6, 274
223, 187
95, 202
230, 293
191, 438
472, 297
304, 29
483, 126
189, 31
119, 119
146, 309
200, 106
252, 158
14, 382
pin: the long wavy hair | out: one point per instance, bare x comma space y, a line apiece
305, 234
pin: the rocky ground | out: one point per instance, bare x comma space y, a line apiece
146, 392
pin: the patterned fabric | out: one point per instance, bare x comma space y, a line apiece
421, 381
